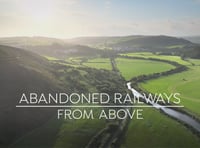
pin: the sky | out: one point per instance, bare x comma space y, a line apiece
75, 18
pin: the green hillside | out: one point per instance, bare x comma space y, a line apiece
24, 72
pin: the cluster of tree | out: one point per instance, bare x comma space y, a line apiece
193, 53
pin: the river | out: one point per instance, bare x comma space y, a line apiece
184, 118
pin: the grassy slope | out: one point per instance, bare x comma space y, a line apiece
76, 133
61, 133
22, 72
42, 137
130, 68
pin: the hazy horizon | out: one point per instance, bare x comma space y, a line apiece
63, 38
80, 18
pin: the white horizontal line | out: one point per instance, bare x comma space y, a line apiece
95, 106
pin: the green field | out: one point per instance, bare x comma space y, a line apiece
99, 63
74, 62
130, 68
186, 83
163, 57
158, 130
81, 130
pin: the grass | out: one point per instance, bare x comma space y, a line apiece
186, 83
99, 63
62, 133
46, 132
51, 58
157, 130
163, 57
130, 68
74, 62
77, 133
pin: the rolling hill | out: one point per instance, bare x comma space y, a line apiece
23, 42
91, 46
22, 72
160, 44
194, 39
133, 42
49, 46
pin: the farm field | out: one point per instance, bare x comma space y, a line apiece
163, 57
186, 83
130, 68
157, 130
74, 62
99, 63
